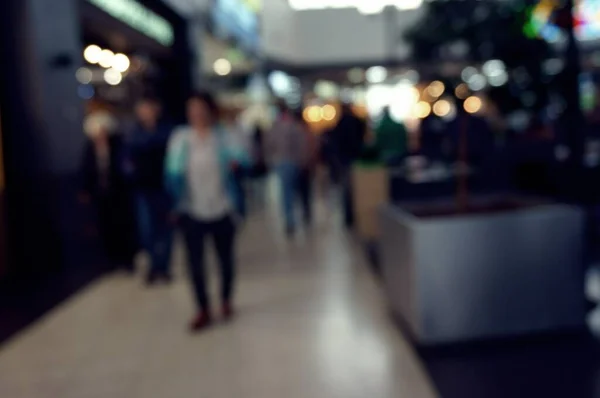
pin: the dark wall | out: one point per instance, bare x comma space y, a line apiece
176, 82
42, 137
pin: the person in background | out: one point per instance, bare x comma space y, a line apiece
259, 170
237, 132
307, 170
391, 139
258, 153
347, 140
288, 148
202, 159
145, 152
104, 187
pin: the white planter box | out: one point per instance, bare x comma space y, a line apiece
462, 277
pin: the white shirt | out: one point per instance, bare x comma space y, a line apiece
208, 199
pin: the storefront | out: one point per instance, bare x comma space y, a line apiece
131, 49
43, 93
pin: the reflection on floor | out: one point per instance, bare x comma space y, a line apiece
312, 323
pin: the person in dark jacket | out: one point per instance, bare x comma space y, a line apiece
145, 153
391, 139
104, 187
347, 141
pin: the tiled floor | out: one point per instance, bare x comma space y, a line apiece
312, 323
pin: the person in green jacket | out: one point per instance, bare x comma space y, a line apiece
390, 138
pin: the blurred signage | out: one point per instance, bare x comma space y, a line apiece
139, 17
547, 20
254, 5
587, 20
234, 18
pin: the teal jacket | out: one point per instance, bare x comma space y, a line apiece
391, 138
231, 152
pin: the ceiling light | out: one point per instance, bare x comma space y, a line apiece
442, 108
493, 67
498, 80
92, 54
472, 104
84, 75
477, 82
422, 109
106, 58
370, 7
468, 73
121, 62
436, 89
356, 75
328, 112
312, 114
222, 67
112, 76
376, 74
402, 100
461, 91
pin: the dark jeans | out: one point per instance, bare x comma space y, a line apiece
156, 235
347, 196
239, 186
288, 176
222, 232
305, 193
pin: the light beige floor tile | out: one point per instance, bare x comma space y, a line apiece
312, 323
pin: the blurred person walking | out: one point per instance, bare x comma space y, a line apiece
104, 187
307, 170
287, 147
259, 168
201, 162
145, 153
347, 140
391, 139
231, 123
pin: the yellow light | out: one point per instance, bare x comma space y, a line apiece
472, 104
306, 115
462, 91
312, 114
121, 62
422, 109
328, 112
441, 108
436, 89
106, 58
92, 54
416, 94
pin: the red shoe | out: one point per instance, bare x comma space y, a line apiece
202, 321
227, 311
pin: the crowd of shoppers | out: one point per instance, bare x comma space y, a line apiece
159, 177
154, 178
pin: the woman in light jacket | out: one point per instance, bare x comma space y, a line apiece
201, 162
